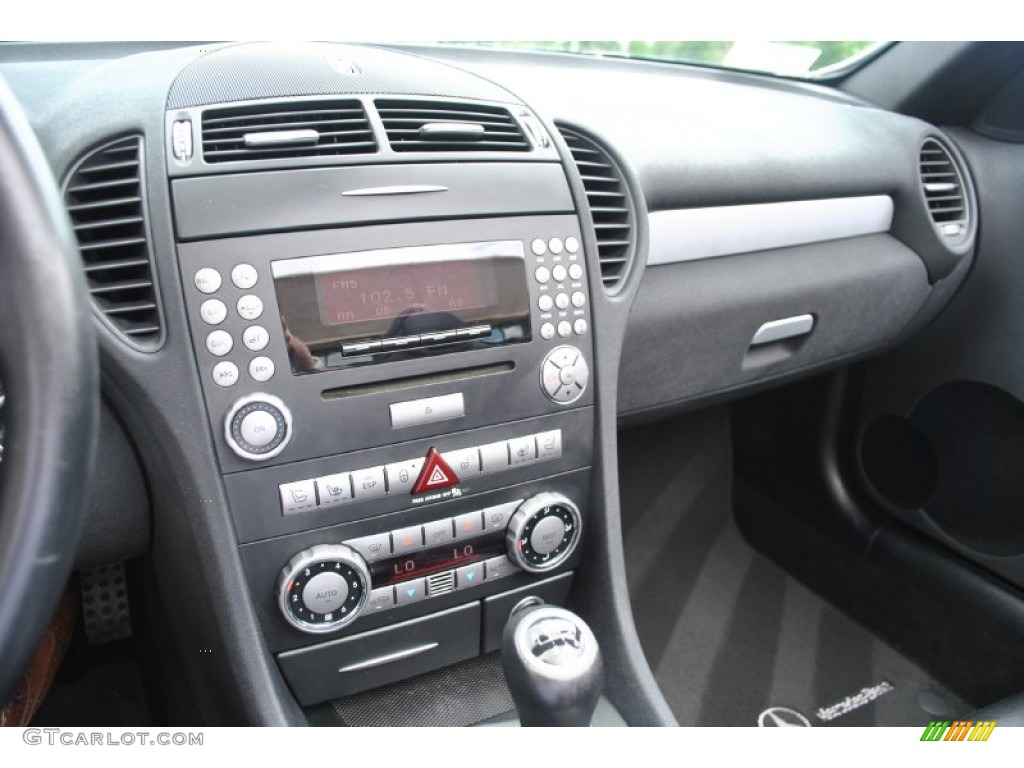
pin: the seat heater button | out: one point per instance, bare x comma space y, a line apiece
297, 497
334, 489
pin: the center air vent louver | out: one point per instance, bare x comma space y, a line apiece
104, 197
436, 126
295, 129
611, 208
943, 185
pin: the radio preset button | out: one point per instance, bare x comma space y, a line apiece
549, 444
261, 368
297, 497
469, 525
547, 331
213, 311
258, 428
542, 275
538, 246
402, 474
575, 271
562, 301
469, 575
407, 540
555, 245
494, 457
368, 483
244, 276
559, 272
580, 326
334, 489
522, 450
250, 307
208, 280
225, 374
564, 329
373, 547
438, 532
219, 343
545, 302
579, 299
410, 592
572, 244
255, 338
465, 462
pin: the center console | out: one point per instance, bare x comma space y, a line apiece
402, 399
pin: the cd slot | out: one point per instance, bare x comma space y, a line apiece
396, 385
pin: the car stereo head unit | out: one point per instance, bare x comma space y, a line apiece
345, 309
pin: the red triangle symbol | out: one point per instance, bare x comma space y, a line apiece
435, 474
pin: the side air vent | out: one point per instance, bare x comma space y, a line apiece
104, 196
296, 129
436, 126
943, 185
611, 209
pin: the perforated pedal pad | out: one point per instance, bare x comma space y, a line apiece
105, 613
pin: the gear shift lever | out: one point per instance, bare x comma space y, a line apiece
552, 666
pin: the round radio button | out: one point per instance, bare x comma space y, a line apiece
208, 280
579, 299
219, 343
559, 272
538, 246
250, 307
555, 245
225, 374
562, 301
572, 245
261, 368
564, 329
575, 271
545, 302
255, 338
325, 593
258, 428
580, 326
567, 376
547, 331
244, 276
213, 311
543, 274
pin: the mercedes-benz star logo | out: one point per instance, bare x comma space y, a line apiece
782, 717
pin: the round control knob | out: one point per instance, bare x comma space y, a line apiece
323, 588
564, 373
543, 532
258, 427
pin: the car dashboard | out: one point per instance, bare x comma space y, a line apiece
370, 318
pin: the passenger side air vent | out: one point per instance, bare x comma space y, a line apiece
295, 129
436, 126
611, 208
104, 197
943, 185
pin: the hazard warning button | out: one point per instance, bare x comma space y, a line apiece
436, 474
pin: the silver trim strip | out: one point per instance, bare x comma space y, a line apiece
281, 138
704, 233
408, 189
786, 328
380, 661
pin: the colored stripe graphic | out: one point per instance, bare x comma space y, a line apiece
958, 730
935, 730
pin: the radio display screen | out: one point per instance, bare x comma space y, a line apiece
345, 309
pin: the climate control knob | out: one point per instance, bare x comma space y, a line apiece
324, 588
258, 427
543, 532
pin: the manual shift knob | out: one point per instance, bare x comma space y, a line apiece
552, 666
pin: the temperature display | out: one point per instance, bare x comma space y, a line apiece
446, 558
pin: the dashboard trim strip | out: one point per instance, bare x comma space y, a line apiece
388, 658
703, 233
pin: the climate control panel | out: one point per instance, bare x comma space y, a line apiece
328, 586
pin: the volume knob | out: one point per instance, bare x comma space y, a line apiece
543, 532
258, 427
323, 588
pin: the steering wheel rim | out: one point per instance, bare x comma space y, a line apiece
50, 374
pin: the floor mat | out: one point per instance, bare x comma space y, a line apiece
731, 638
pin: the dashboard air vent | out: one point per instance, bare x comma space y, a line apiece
611, 209
436, 126
943, 184
104, 197
295, 129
